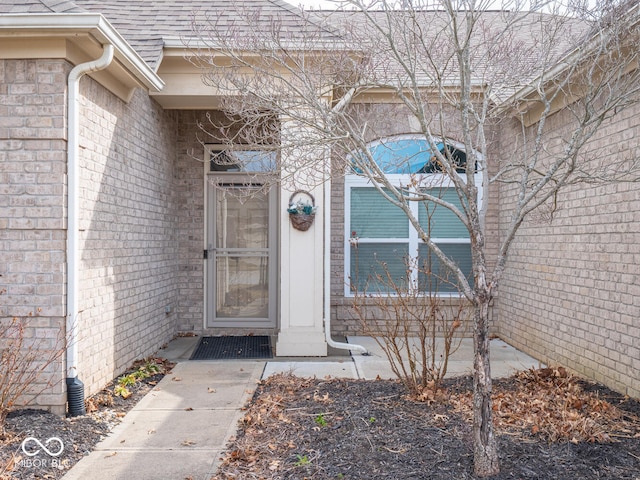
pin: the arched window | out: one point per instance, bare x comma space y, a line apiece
410, 155
380, 241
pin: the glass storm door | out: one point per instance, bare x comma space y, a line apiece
241, 275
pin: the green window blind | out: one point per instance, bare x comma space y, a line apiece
370, 263
439, 220
433, 276
373, 216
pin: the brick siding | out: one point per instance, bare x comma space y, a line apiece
128, 224
32, 204
190, 198
128, 231
571, 291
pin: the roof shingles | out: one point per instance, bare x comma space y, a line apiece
145, 23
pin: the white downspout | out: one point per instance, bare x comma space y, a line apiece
73, 196
327, 275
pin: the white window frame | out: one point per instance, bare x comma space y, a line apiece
426, 181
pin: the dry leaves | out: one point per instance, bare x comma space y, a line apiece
551, 403
94, 403
267, 410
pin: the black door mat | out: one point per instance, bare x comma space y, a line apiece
230, 348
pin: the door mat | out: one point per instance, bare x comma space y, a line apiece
230, 348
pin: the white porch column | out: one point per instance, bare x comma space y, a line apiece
301, 255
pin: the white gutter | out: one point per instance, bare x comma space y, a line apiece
73, 197
198, 43
327, 276
70, 24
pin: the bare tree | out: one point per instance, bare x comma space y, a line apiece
458, 71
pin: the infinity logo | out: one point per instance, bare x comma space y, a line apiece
49, 452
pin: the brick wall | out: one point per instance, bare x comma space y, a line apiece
128, 232
128, 222
571, 291
32, 204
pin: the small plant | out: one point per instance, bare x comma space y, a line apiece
151, 367
320, 420
302, 461
140, 375
122, 391
416, 328
372, 420
127, 380
147, 369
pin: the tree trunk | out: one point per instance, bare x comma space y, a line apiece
485, 448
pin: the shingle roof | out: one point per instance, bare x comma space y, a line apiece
144, 23
39, 6
506, 45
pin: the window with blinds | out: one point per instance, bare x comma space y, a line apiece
381, 245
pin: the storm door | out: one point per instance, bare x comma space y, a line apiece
241, 253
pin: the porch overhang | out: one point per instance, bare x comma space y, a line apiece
184, 87
186, 62
183, 69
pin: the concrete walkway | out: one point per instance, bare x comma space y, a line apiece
179, 430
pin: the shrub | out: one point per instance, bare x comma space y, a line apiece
25, 362
417, 329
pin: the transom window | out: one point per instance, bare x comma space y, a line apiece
241, 160
381, 245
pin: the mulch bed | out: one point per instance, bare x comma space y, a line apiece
78, 434
549, 424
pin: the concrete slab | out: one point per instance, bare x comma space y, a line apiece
195, 395
146, 465
505, 360
171, 430
334, 369
204, 385
180, 348
218, 370
180, 428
